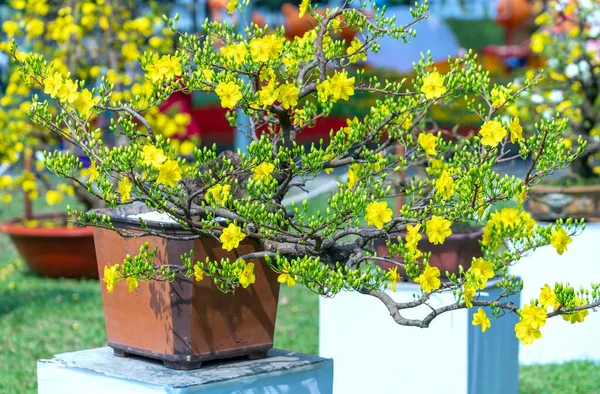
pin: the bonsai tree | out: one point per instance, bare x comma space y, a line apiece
569, 37
87, 41
281, 87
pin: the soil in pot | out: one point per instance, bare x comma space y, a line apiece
184, 323
52, 248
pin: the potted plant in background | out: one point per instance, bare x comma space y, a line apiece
569, 36
214, 223
79, 37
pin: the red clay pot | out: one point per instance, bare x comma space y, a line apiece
549, 203
184, 323
58, 252
458, 249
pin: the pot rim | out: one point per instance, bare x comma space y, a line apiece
119, 216
565, 189
14, 227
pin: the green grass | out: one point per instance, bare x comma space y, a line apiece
41, 317
577, 377
476, 34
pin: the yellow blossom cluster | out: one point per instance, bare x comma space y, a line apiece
274, 89
79, 37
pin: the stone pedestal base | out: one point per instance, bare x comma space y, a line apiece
99, 371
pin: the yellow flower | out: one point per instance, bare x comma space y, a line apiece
492, 133
327, 157
111, 276
445, 185
124, 188
480, 319
498, 96
247, 277
229, 94
437, 229
341, 87
237, 52
53, 197
304, 6
394, 277
436, 167
219, 193
93, 172
66, 189
534, 316
548, 297
274, 45
577, 316
413, 235
169, 173
516, 131
526, 333
428, 142
6, 181
286, 277
28, 185
263, 172
378, 214
34, 28
153, 156
259, 50
231, 237
353, 175
469, 294
324, 91
11, 28
538, 41
269, 93
198, 273
433, 86
429, 279
132, 284
84, 102
559, 239
186, 148
482, 270
67, 92
52, 84
165, 67
231, 6
541, 19
288, 95
354, 48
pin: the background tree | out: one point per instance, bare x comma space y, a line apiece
89, 41
569, 36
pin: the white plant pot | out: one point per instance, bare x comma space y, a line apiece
580, 266
372, 354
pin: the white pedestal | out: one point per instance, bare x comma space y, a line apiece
580, 266
375, 355
97, 371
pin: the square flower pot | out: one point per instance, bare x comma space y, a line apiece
184, 323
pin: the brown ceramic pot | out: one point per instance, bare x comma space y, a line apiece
458, 249
58, 252
184, 323
558, 202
